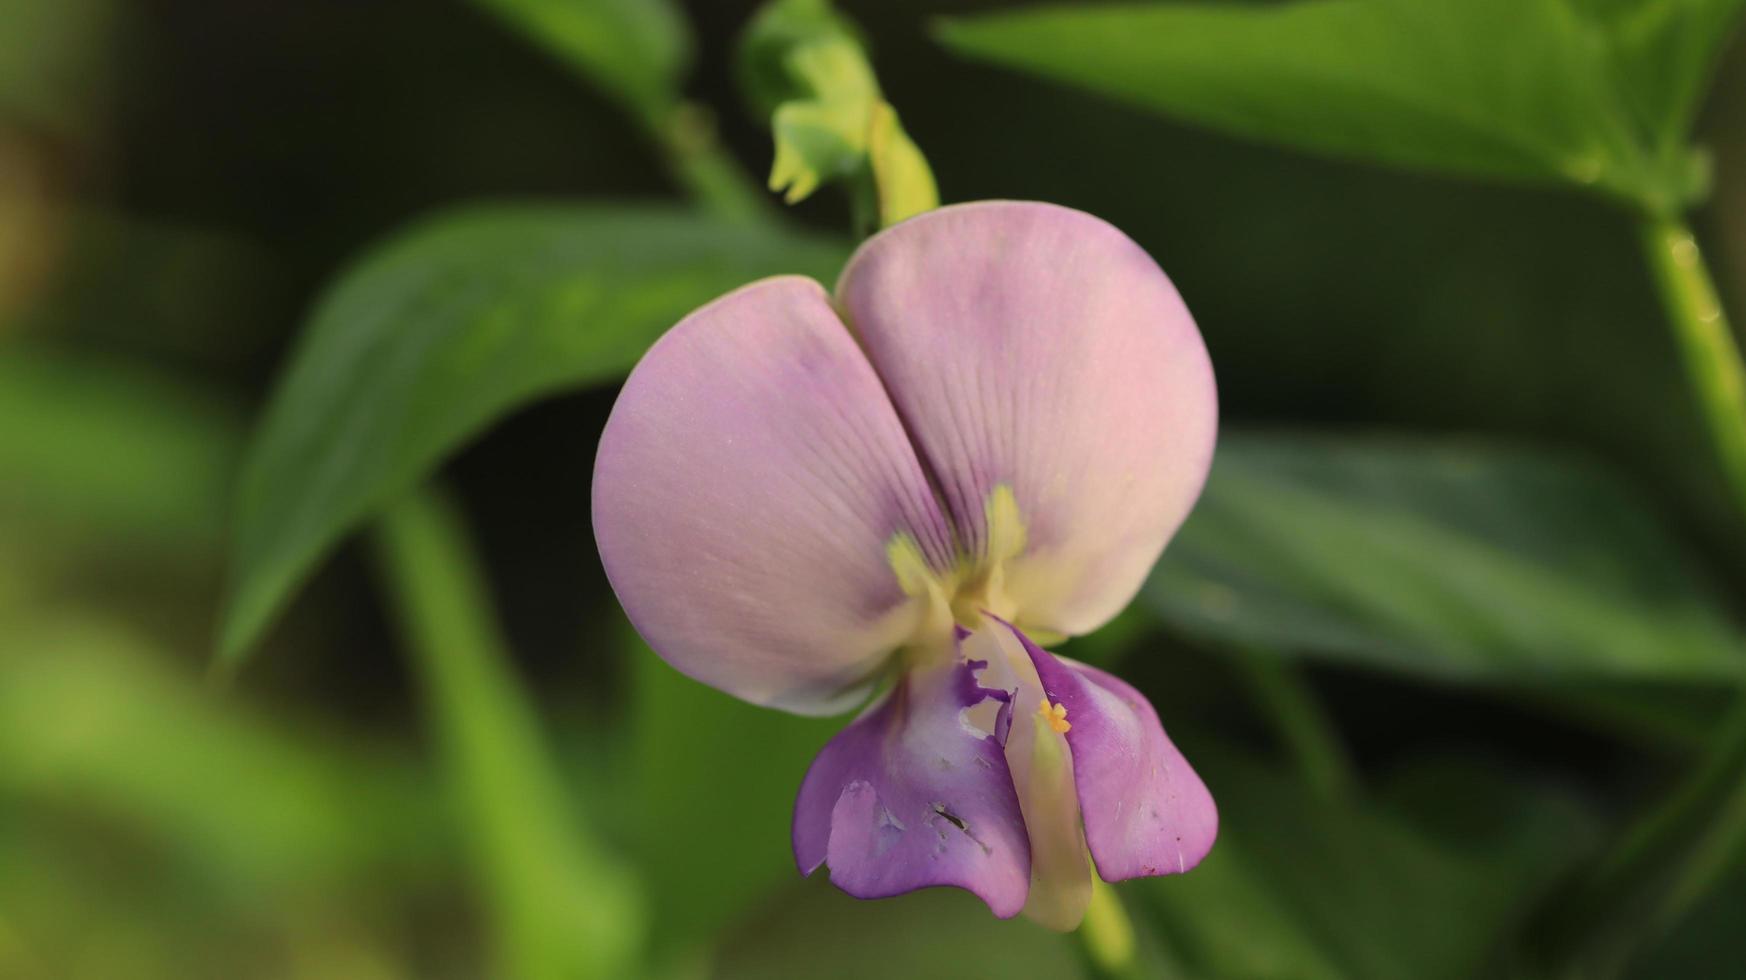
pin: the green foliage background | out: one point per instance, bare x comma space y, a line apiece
309, 320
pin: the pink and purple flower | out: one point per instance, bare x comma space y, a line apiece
979, 444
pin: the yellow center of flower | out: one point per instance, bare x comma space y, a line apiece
975, 585
1055, 716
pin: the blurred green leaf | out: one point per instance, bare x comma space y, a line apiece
814, 930
1665, 52
636, 50
52, 60
151, 828
1676, 717
91, 720
1596, 93
562, 907
148, 285
1491, 814
79, 904
1442, 560
715, 780
113, 450
445, 329
1665, 860
1707, 944
1302, 886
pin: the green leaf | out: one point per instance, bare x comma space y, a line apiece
152, 829
1450, 561
94, 721
636, 50
54, 60
1705, 943
447, 328
1665, 51
111, 451
1597, 94
1306, 887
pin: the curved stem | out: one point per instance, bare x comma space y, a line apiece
1671, 855
1657, 870
710, 176
562, 907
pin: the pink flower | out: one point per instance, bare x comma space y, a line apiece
987, 435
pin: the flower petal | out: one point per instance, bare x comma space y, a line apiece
748, 486
1145, 810
1042, 772
913, 795
1038, 347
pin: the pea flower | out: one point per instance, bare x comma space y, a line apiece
980, 443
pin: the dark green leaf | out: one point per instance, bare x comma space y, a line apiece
1516, 89
1707, 944
1300, 886
636, 50
1450, 561
445, 329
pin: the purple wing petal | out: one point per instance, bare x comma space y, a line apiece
912, 795
1145, 810
749, 482
1036, 346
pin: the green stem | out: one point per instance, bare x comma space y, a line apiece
1706, 344
1710, 809
1661, 866
709, 175
1303, 725
1676, 851
1695, 836
559, 907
